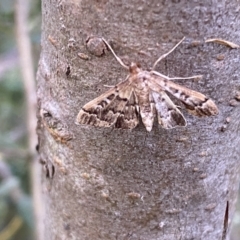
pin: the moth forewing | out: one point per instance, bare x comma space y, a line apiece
195, 102
116, 107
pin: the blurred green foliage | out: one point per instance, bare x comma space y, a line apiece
16, 212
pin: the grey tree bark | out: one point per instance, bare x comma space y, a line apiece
119, 184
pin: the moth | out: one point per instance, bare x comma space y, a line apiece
144, 94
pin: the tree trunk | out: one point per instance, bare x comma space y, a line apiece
121, 184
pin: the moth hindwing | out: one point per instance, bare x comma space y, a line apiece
144, 95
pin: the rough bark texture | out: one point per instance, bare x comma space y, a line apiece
119, 184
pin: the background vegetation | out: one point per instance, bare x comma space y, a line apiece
16, 211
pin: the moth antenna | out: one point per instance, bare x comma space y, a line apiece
166, 54
176, 78
115, 55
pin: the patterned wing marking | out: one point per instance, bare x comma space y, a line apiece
195, 102
129, 117
104, 110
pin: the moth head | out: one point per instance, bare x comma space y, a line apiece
134, 68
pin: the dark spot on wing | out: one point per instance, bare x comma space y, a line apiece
92, 111
121, 99
103, 103
84, 110
111, 97
205, 100
165, 81
92, 120
136, 112
116, 89
189, 106
204, 111
119, 122
174, 90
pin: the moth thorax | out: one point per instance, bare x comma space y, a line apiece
134, 68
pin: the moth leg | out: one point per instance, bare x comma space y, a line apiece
115, 55
175, 78
166, 54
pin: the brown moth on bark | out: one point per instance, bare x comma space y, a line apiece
144, 93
